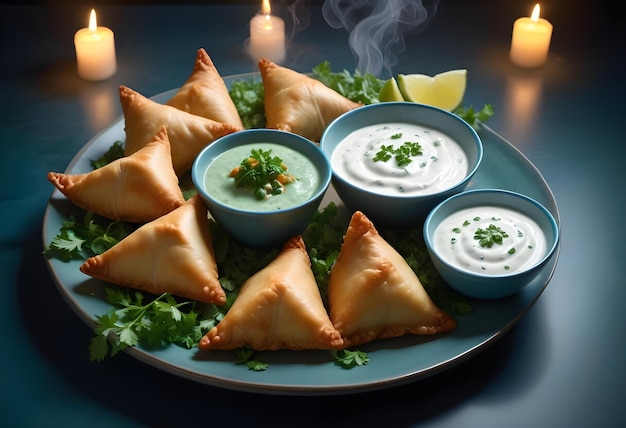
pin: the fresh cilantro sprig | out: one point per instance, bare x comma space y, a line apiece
384, 153
402, 154
264, 174
348, 359
79, 240
158, 322
475, 118
355, 86
323, 238
248, 96
248, 357
489, 236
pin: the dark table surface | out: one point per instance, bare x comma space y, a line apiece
561, 365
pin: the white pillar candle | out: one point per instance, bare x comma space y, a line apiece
95, 51
267, 35
531, 40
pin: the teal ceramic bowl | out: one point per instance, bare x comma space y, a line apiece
468, 264
261, 226
399, 209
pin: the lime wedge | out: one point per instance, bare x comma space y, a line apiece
390, 91
444, 90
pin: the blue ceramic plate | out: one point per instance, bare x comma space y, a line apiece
392, 361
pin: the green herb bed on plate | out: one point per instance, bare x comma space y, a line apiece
382, 363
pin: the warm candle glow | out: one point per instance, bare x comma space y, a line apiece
522, 96
535, 15
266, 8
93, 23
95, 51
267, 35
99, 104
531, 40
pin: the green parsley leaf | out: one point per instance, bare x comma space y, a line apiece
116, 151
161, 321
323, 238
358, 87
384, 153
349, 359
402, 154
79, 240
264, 174
248, 97
248, 357
492, 235
475, 118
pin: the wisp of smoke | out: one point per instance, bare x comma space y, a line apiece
376, 28
300, 16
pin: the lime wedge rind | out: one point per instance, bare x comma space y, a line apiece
444, 90
390, 91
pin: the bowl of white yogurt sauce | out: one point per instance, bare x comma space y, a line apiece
490, 243
262, 186
395, 161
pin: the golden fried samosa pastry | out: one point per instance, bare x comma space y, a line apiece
188, 133
136, 188
279, 307
205, 93
173, 253
373, 293
298, 103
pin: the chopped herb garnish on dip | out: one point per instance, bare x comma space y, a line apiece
402, 154
492, 234
265, 175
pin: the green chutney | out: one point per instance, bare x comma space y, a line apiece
221, 186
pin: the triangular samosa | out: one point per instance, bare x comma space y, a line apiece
136, 188
373, 293
173, 253
205, 93
298, 103
279, 307
188, 133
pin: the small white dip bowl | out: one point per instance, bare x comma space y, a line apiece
490, 243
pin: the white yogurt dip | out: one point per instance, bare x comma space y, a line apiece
379, 158
490, 240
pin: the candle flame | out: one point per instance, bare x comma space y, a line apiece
93, 24
535, 15
266, 8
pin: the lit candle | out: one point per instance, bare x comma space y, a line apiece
531, 40
267, 35
95, 51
